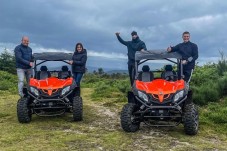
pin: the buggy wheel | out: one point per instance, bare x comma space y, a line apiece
128, 122
24, 113
77, 108
191, 119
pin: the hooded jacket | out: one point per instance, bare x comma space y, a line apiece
189, 52
79, 61
133, 46
23, 56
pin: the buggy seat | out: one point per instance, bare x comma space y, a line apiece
146, 75
169, 74
65, 73
43, 73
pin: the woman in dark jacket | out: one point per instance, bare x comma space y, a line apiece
78, 62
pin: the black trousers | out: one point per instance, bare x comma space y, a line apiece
187, 75
131, 72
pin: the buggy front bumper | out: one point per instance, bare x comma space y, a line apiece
170, 115
174, 106
38, 98
50, 106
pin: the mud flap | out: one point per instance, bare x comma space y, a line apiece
25, 91
131, 98
77, 91
189, 97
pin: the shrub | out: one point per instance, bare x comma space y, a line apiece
198, 98
222, 85
204, 74
206, 93
222, 64
123, 86
8, 82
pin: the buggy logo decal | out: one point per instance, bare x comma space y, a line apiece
161, 96
49, 91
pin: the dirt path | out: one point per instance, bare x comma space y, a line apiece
150, 138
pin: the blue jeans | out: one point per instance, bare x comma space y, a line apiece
21, 74
77, 77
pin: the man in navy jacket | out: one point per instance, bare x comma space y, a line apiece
189, 52
134, 45
23, 55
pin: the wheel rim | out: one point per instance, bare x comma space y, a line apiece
133, 117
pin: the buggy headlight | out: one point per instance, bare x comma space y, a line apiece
178, 95
34, 91
143, 96
66, 89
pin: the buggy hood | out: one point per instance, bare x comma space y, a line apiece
160, 87
51, 84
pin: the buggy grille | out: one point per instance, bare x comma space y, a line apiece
166, 98
54, 92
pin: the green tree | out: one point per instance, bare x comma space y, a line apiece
7, 62
222, 64
100, 71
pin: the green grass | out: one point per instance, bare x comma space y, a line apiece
101, 130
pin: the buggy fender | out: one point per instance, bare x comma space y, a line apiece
175, 106
25, 91
189, 97
131, 97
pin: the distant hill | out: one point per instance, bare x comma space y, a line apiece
117, 71
90, 69
107, 70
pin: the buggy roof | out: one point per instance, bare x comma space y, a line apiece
156, 55
52, 56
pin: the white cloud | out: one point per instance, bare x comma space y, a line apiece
159, 24
106, 55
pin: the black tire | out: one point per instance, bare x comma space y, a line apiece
127, 118
24, 113
191, 119
77, 108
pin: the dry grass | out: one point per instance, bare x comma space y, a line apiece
100, 130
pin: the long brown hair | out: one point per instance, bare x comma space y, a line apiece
79, 44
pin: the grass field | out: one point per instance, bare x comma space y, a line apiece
101, 130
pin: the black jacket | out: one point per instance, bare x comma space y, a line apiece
23, 55
79, 61
189, 52
133, 46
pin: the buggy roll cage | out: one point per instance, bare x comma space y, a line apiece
50, 56
147, 55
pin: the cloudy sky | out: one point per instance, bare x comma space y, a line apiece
54, 25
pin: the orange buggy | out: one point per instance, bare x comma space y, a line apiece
50, 93
161, 100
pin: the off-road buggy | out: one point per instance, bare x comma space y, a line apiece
159, 98
50, 93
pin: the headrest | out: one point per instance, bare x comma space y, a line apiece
168, 67
43, 68
64, 68
145, 68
